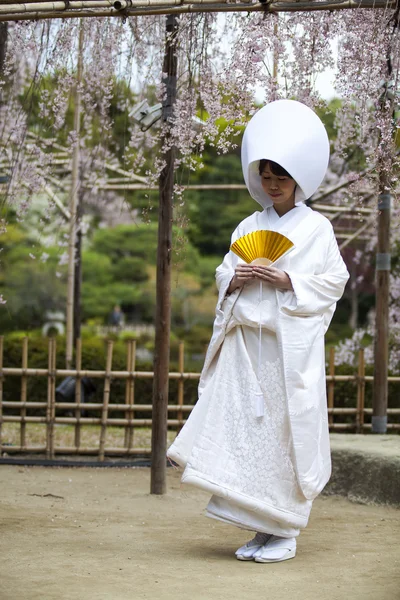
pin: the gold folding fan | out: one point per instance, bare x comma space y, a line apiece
262, 247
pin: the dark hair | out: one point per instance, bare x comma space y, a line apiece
275, 168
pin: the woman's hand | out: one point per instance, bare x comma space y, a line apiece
243, 274
273, 276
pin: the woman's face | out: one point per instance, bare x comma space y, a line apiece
279, 188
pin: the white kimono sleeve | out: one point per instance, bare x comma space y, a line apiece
315, 294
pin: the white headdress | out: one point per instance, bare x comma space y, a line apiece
292, 135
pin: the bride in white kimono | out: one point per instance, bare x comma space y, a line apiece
264, 471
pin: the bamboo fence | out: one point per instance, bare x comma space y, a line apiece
177, 412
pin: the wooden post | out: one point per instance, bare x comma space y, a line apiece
24, 385
353, 320
275, 60
360, 391
78, 393
127, 392
106, 398
180, 382
78, 267
331, 384
51, 397
386, 114
163, 286
1, 389
130, 394
73, 203
381, 348
48, 400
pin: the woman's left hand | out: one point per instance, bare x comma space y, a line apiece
273, 276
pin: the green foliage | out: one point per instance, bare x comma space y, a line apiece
97, 268
129, 269
119, 268
206, 270
214, 214
123, 241
29, 285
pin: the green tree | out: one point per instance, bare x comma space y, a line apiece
29, 284
213, 214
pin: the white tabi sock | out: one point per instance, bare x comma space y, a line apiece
247, 551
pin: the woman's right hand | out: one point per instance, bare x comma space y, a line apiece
243, 274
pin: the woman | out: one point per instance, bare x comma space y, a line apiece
264, 471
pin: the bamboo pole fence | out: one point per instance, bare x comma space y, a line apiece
356, 418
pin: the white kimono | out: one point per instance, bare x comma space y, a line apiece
263, 473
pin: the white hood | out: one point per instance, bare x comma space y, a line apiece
292, 135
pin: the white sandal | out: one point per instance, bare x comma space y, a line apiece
276, 549
247, 551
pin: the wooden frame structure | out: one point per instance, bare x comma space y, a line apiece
49, 405
351, 223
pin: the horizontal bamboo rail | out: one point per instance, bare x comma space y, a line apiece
74, 9
132, 413
149, 374
81, 451
144, 407
97, 374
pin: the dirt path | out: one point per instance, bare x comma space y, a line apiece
97, 534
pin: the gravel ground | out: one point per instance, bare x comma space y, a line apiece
97, 534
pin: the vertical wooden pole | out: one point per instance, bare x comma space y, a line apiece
48, 407
130, 394
78, 267
331, 384
74, 202
51, 397
106, 398
1, 389
181, 382
360, 391
78, 392
275, 60
163, 286
127, 393
385, 114
353, 320
381, 349
24, 385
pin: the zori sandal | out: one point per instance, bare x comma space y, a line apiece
247, 551
276, 549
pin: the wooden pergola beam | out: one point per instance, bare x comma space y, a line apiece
131, 8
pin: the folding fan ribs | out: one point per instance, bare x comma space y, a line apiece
262, 247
